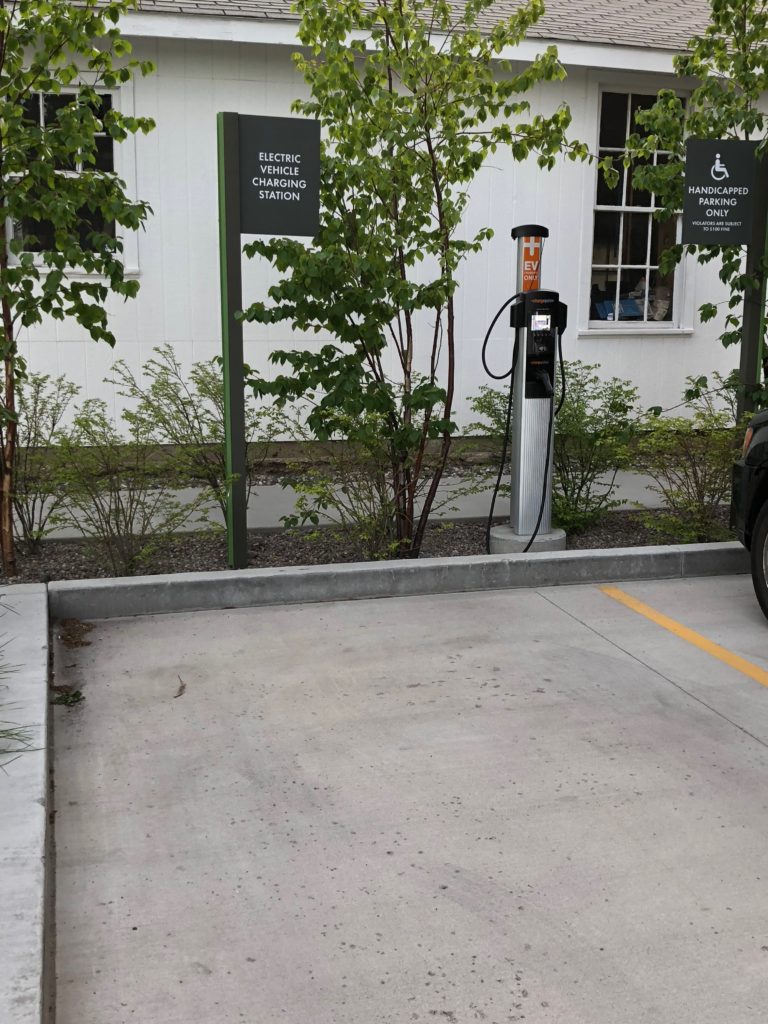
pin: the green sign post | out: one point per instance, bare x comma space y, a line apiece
269, 183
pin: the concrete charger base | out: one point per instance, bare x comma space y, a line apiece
505, 541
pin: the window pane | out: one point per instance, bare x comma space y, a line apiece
603, 295
632, 294
636, 196
31, 107
35, 235
51, 107
38, 236
66, 163
93, 221
634, 250
661, 160
609, 196
613, 119
53, 104
663, 236
640, 103
606, 244
660, 296
104, 104
104, 153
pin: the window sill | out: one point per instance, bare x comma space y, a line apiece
85, 275
644, 331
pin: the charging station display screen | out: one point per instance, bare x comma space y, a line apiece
541, 322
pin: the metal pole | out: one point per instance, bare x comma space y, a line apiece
232, 337
530, 423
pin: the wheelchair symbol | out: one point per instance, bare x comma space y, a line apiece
719, 171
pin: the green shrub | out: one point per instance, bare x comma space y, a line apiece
349, 485
43, 402
690, 462
592, 443
591, 440
119, 491
491, 405
348, 488
189, 414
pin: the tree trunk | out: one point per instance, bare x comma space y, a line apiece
445, 447
447, 274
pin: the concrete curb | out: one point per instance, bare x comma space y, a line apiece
23, 804
183, 592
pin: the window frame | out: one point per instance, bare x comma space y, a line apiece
123, 165
681, 321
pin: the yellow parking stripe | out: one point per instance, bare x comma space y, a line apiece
691, 636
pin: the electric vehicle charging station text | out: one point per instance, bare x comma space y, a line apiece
539, 319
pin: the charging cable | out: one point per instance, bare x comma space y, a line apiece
505, 442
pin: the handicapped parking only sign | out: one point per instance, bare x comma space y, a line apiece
720, 184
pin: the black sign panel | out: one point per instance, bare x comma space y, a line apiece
279, 176
720, 183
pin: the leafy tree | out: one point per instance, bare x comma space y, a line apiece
730, 63
413, 98
187, 413
66, 211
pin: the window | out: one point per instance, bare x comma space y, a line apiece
626, 283
42, 109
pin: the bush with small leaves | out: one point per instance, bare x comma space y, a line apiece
43, 402
120, 490
188, 413
690, 460
593, 432
490, 404
348, 486
591, 440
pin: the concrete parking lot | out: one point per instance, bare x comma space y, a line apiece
533, 805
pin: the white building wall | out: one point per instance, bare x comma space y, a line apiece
176, 257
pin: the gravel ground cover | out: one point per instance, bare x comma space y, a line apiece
206, 552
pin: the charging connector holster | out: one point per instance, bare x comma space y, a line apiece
540, 317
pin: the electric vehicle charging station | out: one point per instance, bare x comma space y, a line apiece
538, 318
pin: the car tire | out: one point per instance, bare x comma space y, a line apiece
759, 558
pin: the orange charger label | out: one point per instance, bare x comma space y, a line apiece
531, 264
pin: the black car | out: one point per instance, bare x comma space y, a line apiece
749, 511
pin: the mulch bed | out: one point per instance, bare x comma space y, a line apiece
200, 552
